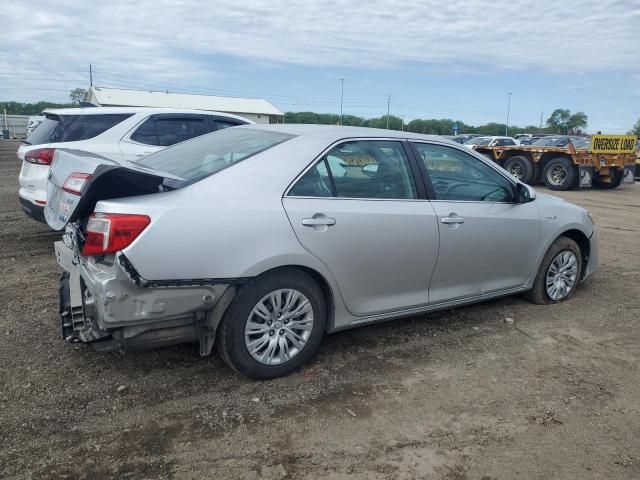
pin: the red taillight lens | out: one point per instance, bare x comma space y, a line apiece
112, 232
75, 182
40, 156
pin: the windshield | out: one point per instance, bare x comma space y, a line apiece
478, 141
200, 157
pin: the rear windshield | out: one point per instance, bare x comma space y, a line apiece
200, 157
72, 128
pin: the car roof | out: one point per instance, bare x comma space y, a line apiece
117, 110
338, 132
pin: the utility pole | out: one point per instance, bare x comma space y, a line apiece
341, 97
506, 127
541, 115
90, 76
403, 122
388, 107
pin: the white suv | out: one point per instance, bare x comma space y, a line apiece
117, 133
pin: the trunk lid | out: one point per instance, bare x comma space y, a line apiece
108, 180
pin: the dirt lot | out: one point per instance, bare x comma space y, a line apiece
455, 395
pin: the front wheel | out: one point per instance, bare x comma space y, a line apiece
274, 325
559, 273
560, 174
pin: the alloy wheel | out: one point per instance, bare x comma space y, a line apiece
561, 275
279, 326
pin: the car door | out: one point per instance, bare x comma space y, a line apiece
487, 239
163, 130
359, 210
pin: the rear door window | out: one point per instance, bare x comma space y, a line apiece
146, 133
368, 169
73, 128
176, 130
164, 130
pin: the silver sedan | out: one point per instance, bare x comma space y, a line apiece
264, 238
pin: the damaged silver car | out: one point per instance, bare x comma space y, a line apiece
263, 238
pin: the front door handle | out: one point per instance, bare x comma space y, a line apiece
318, 221
453, 219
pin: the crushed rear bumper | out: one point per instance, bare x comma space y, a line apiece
101, 304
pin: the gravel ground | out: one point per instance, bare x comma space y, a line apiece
456, 395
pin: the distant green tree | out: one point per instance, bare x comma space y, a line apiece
635, 130
77, 95
395, 123
562, 121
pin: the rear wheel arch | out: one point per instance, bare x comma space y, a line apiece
319, 279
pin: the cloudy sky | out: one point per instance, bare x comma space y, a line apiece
455, 59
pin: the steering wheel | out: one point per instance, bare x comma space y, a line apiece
498, 191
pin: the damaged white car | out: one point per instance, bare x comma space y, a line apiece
263, 238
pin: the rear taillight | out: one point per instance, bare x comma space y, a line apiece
75, 182
40, 156
112, 232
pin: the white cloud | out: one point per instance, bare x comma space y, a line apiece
157, 43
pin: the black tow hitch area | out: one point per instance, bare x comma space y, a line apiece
74, 326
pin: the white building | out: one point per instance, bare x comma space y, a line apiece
258, 110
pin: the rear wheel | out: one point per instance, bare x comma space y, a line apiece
274, 325
606, 183
559, 273
522, 168
560, 174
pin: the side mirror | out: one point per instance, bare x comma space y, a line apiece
525, 193
370, 169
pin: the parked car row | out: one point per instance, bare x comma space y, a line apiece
116, 133
263, 238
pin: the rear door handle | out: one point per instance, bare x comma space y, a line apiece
314, 222
452, 220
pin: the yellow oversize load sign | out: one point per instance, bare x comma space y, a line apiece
613, 144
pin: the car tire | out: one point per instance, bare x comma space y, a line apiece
522, 168
560, 174
616, 180
560, 253
234, 342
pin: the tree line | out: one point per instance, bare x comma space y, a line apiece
560, 121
